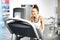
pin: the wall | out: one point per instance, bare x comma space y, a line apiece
58, 10
47, 7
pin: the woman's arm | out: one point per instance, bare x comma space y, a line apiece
43, 24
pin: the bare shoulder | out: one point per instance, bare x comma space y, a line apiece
41, 18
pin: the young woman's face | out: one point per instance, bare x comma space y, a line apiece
34, 12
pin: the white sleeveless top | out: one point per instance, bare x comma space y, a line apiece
37, 24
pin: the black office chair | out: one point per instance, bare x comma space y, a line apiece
23, 28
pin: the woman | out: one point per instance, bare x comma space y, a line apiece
37, 20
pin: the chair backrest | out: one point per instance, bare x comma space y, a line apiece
22, 28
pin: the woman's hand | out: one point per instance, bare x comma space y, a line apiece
41, 31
